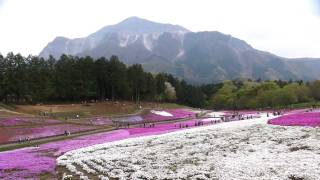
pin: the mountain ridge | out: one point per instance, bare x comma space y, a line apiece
198, 57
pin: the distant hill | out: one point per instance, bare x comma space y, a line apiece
198, 57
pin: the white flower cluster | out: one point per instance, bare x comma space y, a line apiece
66, 177
248, 149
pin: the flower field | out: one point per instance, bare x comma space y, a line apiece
298, 119
14, 129
13, 134
157, 115
248, 149
42, 159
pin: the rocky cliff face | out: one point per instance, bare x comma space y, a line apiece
201, 57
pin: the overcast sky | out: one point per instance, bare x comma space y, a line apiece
289, 28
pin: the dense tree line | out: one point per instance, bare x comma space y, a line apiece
246, 94
266, 94
33, 79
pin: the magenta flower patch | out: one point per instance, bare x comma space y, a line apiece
31, 162
298, 119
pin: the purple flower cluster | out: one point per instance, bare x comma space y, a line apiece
25, 163
298, 119
31, 162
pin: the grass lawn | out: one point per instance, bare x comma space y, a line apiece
4, 113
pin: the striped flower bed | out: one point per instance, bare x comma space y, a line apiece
20, 133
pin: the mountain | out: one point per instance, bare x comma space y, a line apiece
133, 39
198, 57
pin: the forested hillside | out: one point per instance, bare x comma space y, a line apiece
34, 79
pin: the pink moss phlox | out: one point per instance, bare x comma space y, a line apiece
298, 118
31, 162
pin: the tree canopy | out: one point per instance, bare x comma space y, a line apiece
33, 79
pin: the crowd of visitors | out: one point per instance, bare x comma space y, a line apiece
67, 133
26, 139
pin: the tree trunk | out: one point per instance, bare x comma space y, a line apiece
112, 93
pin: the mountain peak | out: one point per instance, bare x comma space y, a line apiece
134, 19
200, 57
136, 25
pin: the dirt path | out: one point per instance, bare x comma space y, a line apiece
12, 112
